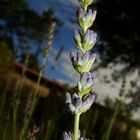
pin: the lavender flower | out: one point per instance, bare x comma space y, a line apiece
87, 80
87, 102
79, 105
85, 41
86, 19
89, 40
82, 62
67, 136
77, 38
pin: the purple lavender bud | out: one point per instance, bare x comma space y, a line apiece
71, 107
74, 96
79, 61
92, 57
67, 136
86, 56
78, 103
89, 12
83, 78
93, 37
88, 75
87, 36
87, 80
91, 15
88, 102
79, 58
89, 83
86, 19
77, 36
94, 79
90, 37
82, 62
68, 98
79, 54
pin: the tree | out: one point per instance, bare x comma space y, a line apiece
24, 27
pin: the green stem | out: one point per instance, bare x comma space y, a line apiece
16, 107
76, 125
111, 124
85, 9
4, 98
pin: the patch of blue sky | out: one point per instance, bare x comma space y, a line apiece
65, 11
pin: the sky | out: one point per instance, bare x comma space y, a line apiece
64, 72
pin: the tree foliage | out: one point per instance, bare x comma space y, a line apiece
19, 23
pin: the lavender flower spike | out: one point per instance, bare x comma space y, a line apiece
86, 19
87, 80
82, 62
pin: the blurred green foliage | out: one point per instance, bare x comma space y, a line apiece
6, 59
52, 117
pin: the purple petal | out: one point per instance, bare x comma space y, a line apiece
71, 107
92, 57
77, 36
78, 102
74, 96
83, 77
67, 136
88, 101
89, 83
88, 75
89, 12
86, 56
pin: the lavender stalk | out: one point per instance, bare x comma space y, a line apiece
82, 62
35, 92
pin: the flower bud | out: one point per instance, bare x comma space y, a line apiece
78, 104
86, 19
87, 102
77, 38
86, 41
87, 80
82, 62
70, 102
67, 136
89, 40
